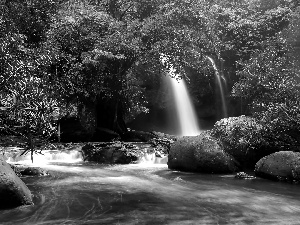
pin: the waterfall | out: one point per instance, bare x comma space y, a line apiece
220, 85
186, 113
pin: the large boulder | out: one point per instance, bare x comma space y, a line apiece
283, 165
201, 153
109, 153
243, 138
13, 191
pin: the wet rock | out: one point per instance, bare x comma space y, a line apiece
109, 153
29, 171
13, 191
283, 166
161, 135
161, 145
243, 175
201, 153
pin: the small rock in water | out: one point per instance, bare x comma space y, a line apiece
243, 175
29, 171
34, 171
178, 179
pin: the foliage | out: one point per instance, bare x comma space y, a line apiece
244, 25
56, 53
282, 124
269, 76
243, 138
107, 46
161, 145
87, 65
238, 130
27, 102
103, 50
236, 31
270, 83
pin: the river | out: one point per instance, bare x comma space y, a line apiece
89, 193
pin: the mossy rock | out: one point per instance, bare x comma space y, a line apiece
111, 153
201, 153
283, 166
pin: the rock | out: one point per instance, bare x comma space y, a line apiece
283, 165
34, 171
201, 153
15, 169
161, 135
28, 171
242, 137
108, 153
13, 191
161, 145
244, 176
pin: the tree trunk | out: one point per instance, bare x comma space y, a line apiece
111, 110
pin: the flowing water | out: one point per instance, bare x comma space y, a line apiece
186, 113
220, 79
147, 193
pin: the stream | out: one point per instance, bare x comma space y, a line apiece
147, 193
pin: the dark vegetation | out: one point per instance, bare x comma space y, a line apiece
99, 62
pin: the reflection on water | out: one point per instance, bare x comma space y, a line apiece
86, 193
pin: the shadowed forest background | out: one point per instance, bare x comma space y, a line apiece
99, 63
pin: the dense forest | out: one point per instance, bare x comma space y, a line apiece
100, 60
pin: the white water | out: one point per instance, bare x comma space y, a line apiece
184, 108
47, 156
220, 85
186, 113
75, 156
151, 158
85, 193
90, 193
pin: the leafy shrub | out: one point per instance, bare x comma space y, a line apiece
243, 138
282, 124
28, 114
269, 83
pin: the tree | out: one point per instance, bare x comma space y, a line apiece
270, 83
27, 101
99, 47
